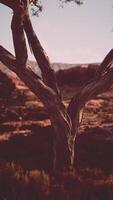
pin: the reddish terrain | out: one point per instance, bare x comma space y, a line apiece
26, 138
25, 131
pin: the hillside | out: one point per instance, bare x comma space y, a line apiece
23, 114
26, 138
56, 66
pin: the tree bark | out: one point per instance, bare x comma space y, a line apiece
101, 83
19, 38
47, 93
65, 122
42, 59
10, 3
53, 105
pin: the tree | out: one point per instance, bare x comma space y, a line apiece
65, 121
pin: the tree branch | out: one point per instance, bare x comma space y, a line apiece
48, 94
48, 97
45, 93
7, 59
42, 59
18, 37
102, 82
10, 3
20, 10
105, 65
52, 103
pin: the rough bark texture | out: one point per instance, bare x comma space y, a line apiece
65, 121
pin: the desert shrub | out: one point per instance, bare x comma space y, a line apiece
38, 185
16, 184
82, 185
12, 182
93, 173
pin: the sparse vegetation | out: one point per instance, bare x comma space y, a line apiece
16, 184
50, 145
65, 120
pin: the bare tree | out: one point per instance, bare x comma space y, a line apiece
65, 121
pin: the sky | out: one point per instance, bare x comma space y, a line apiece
73, 34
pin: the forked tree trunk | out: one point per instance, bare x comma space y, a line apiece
56, 110
65, 121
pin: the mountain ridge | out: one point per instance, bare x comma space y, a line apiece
56, 66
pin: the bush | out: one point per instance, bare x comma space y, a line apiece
16, 184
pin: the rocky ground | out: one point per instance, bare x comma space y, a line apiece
25, 131
26, 138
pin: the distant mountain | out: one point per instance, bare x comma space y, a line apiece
56, 67
61, 66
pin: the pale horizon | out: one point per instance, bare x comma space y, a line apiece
74, 34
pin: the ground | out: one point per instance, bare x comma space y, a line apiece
26, 138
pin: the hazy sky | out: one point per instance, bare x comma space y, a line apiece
73, 34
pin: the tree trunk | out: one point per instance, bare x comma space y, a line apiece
56, 110
65, 121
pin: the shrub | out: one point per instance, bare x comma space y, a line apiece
16, 184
